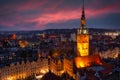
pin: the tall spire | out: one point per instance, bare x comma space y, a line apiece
83, 21
83, 29
83, 13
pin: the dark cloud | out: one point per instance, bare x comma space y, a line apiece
107, 21
64, 25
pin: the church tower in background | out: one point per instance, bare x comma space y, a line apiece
83, 36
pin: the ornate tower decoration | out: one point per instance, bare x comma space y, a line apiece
83, 36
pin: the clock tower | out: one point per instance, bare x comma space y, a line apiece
83, 36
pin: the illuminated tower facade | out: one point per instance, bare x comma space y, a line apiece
83, 36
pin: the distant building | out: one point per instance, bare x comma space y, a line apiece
112, 34
73, 37
14, 36
63, 38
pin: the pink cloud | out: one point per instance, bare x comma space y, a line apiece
57, 16
10, 24
91, 13
66, 15
25, 6
32, 4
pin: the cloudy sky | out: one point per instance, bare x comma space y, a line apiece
57, 14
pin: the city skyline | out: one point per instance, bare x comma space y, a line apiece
45, 14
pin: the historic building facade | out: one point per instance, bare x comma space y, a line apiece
21, 70
56, 66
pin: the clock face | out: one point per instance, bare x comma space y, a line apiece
85, 31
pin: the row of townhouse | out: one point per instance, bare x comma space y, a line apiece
24, 69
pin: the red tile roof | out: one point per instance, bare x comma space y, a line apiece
104, 72
91, 77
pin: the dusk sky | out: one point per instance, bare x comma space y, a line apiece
57, 14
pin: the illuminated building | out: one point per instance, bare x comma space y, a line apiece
14, 36
23, 69
112, 34
69, 66
84, 59
23, 44
83, 37
82, 48
56, 66
110, 53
